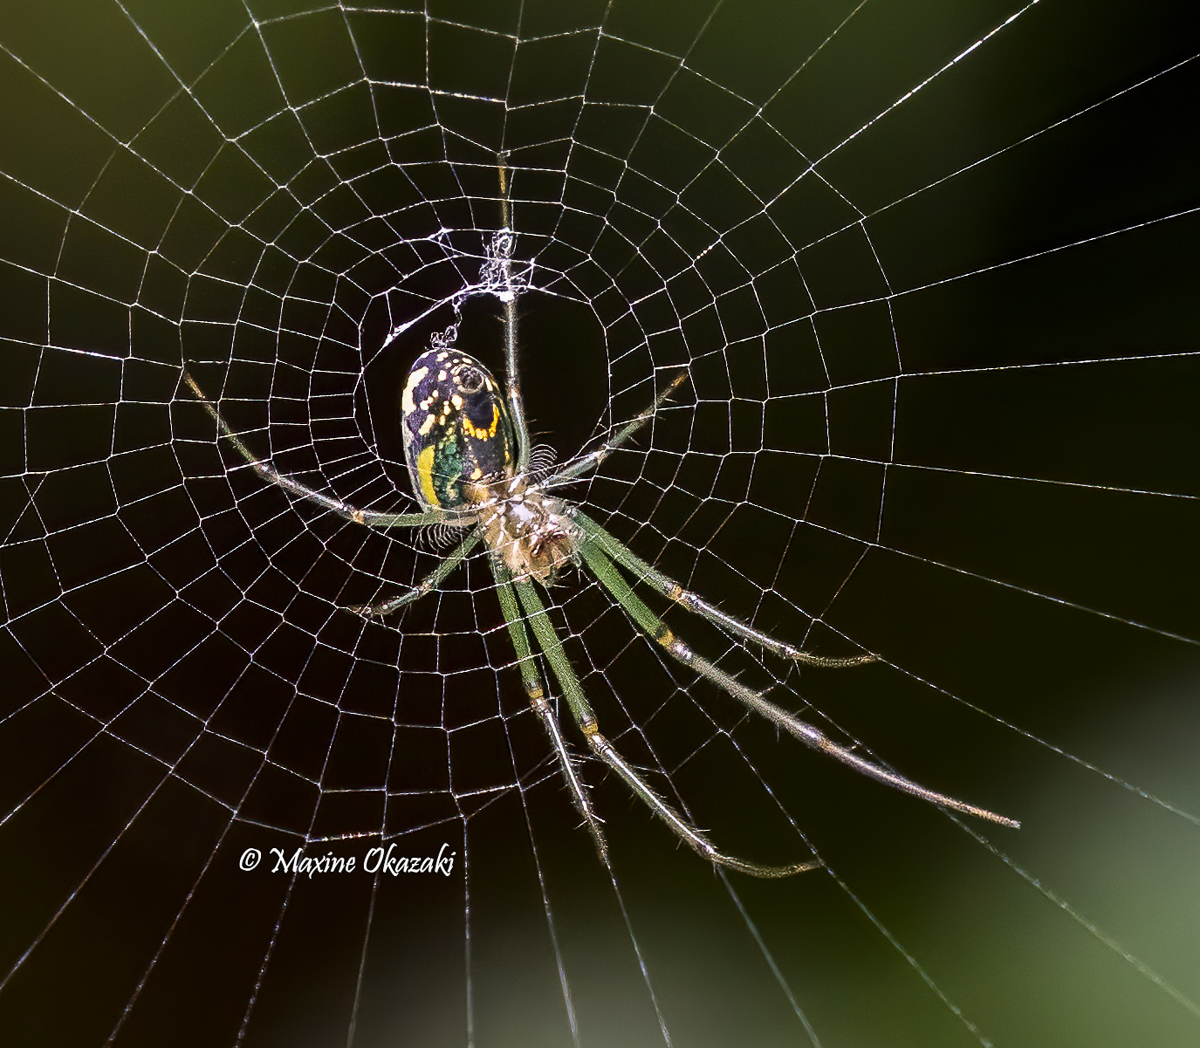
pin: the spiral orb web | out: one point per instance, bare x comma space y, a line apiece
930, 267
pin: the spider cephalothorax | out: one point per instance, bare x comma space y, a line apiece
530, 531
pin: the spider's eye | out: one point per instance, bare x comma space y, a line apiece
468, 378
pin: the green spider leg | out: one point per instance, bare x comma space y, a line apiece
541, 706
548, 640
429, 583
595, 550
512, 373
576, 468
696, 604
264, 469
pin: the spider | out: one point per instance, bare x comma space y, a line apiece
468, 454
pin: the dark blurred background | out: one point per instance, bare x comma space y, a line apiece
941, 353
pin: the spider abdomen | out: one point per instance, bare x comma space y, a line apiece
460, 447
457, 428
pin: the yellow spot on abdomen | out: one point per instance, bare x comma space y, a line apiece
407, 404
425, 475
479, 432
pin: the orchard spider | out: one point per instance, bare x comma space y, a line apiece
472, 469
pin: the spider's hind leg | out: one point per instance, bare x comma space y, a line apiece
657, 630
548, 640
545, 713
696, 604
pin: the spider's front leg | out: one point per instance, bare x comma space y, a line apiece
370, 518
586, 463
264, 469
